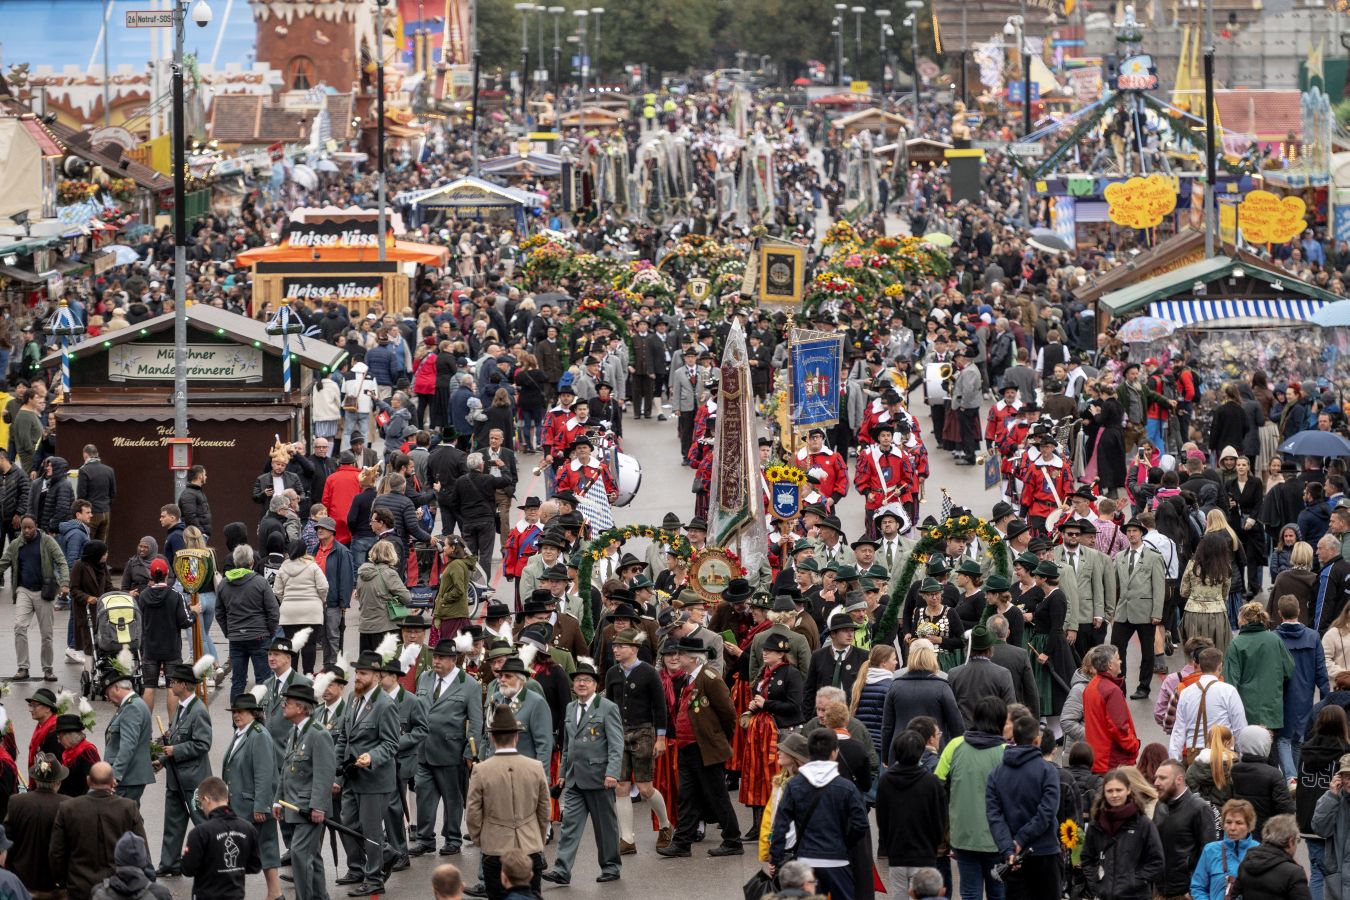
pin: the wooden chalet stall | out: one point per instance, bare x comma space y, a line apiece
121, 401
336, 256
878, 121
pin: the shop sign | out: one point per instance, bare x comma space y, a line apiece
163, 435
205, 362
1137, 73
1141, 202
318, 289
1269, 219
328, 235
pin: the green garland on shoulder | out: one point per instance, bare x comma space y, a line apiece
584, 310
964, 526
591, 552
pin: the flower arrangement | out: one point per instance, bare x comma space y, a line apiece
893, 290
547, 263
73, 190
595, 548
841, 232
593, 268
785, 473
122, 189
532, 242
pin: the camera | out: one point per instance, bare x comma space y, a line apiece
1001, 870
201, 14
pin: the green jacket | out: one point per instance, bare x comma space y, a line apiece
1258, 665
53, 560
965, 769
452, 596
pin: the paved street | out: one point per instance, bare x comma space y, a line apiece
665, 487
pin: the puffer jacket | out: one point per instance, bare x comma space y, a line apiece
51, 507
1071, 717
246, 608
1185, 826
919, 694
872, 704
14, 489
302, 590
1210, 881
1200, 778
1123, 866
196, 508
1268, 873
1263, 786
385, 364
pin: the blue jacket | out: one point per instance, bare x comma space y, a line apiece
72, 536
1313, 522
1310, 671
829, 831
340, 569
919, 694
871, 705
384, 364
459, 410
1022, 800
1210, 881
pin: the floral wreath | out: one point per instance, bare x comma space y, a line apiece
595, 548
547, 262
785, 473
933, 536
590, 307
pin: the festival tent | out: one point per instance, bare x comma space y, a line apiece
473, 197
879, 121
516, 165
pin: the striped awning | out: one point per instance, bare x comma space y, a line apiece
1236, 313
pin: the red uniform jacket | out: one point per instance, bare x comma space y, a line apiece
578, 479
1037, 478
834, 485
521, 543
996, 426
884, 478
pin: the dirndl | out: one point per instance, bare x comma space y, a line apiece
950, 659
741, 693
554, 767
759, 762
666, 779
1052, 692
1213, 625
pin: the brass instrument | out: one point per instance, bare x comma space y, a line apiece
948, 373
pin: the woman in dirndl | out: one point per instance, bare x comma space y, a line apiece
666, 774
1052, 661
739, 656
940, 624
776, 704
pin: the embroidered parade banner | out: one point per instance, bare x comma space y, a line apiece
817, 358
736, 502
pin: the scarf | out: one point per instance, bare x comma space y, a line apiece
1112, 818
763, 687
750, 635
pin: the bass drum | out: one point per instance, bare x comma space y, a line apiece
627, 473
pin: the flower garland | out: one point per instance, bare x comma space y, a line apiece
648, 281
841, 232
545, 264
588, 310
963, 526
593, 268
595, 548
785, 473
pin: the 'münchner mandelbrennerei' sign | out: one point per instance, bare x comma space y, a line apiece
323, 288
205, 362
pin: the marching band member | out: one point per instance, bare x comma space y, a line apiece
886, 408
701, 458
1000, 414
582, 472
885, 474
577, 425
706, 410
832, 467
918, 455
554, 446
522, 542
1017, 428
1046, 481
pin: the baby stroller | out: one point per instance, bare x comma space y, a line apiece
426, 583
114, 626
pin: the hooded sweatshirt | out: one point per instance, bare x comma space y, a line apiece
134, 877
828, 811
1022, 801
911, 815
163, 618
136, 573
965, 766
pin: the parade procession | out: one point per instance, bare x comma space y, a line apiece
898, 451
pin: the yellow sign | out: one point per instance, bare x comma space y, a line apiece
782, 268
1141, 202
1228, 216
860, 87
1268, 219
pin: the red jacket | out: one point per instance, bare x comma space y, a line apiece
338, 492
1107, 724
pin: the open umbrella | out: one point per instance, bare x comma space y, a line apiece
122, 254
1048, 241
802, 82
938, 239
1333, 315
1142, 329
1316, 443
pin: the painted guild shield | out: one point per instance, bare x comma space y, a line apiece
785, 499
698, 288
194, 568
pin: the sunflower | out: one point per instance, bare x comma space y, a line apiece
1068, 834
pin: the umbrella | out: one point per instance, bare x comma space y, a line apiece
304, 176
325, 165
1142, 329
122, 254
1048, 241
1333, 315
802, 82
1316, 443
938, 239
553, 298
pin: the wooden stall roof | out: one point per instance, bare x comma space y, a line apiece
402, 251
1183, 248
315, 354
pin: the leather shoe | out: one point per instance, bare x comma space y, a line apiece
167, 872
366, 889
288, 878
608, 876
555, 877
478, 890
286, 859
400, 864
421, 849
627, 849
1141, 694
727, 850
664, 837
351, 878
450, 850
673, 851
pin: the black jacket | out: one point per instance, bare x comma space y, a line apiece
783, 700
1126, 866
289, 480
323, 467
445, 464
52, 506
223, 835
1185, 826
97, 484
245, 601
911, 816
196, 508
406, 522
1268, 873
14, 493
820, 673
473, 496
163, 618
1263, 786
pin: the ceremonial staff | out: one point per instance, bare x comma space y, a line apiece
195, 567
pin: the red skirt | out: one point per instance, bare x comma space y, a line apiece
759, 759
554, 764
740, 699
666, 779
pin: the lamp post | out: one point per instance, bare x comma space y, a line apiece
883, 27
597, 12
201, 14
857, 38
556, 12
379, 119
540, 11
913, 21
838, 33
524, 9
583, 64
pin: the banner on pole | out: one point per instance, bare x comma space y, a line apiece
817, 362
736, 503
781, 273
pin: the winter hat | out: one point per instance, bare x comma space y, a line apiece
132, 852
236, 533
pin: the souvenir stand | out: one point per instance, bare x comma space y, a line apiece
473, 198
121, 401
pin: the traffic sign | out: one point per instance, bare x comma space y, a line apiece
149, 18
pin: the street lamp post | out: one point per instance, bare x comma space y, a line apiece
838, 33
556, 12
379, 119
913, 22
597, 12
524, 9
857, 38
583, 64
540, 11
883, 26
